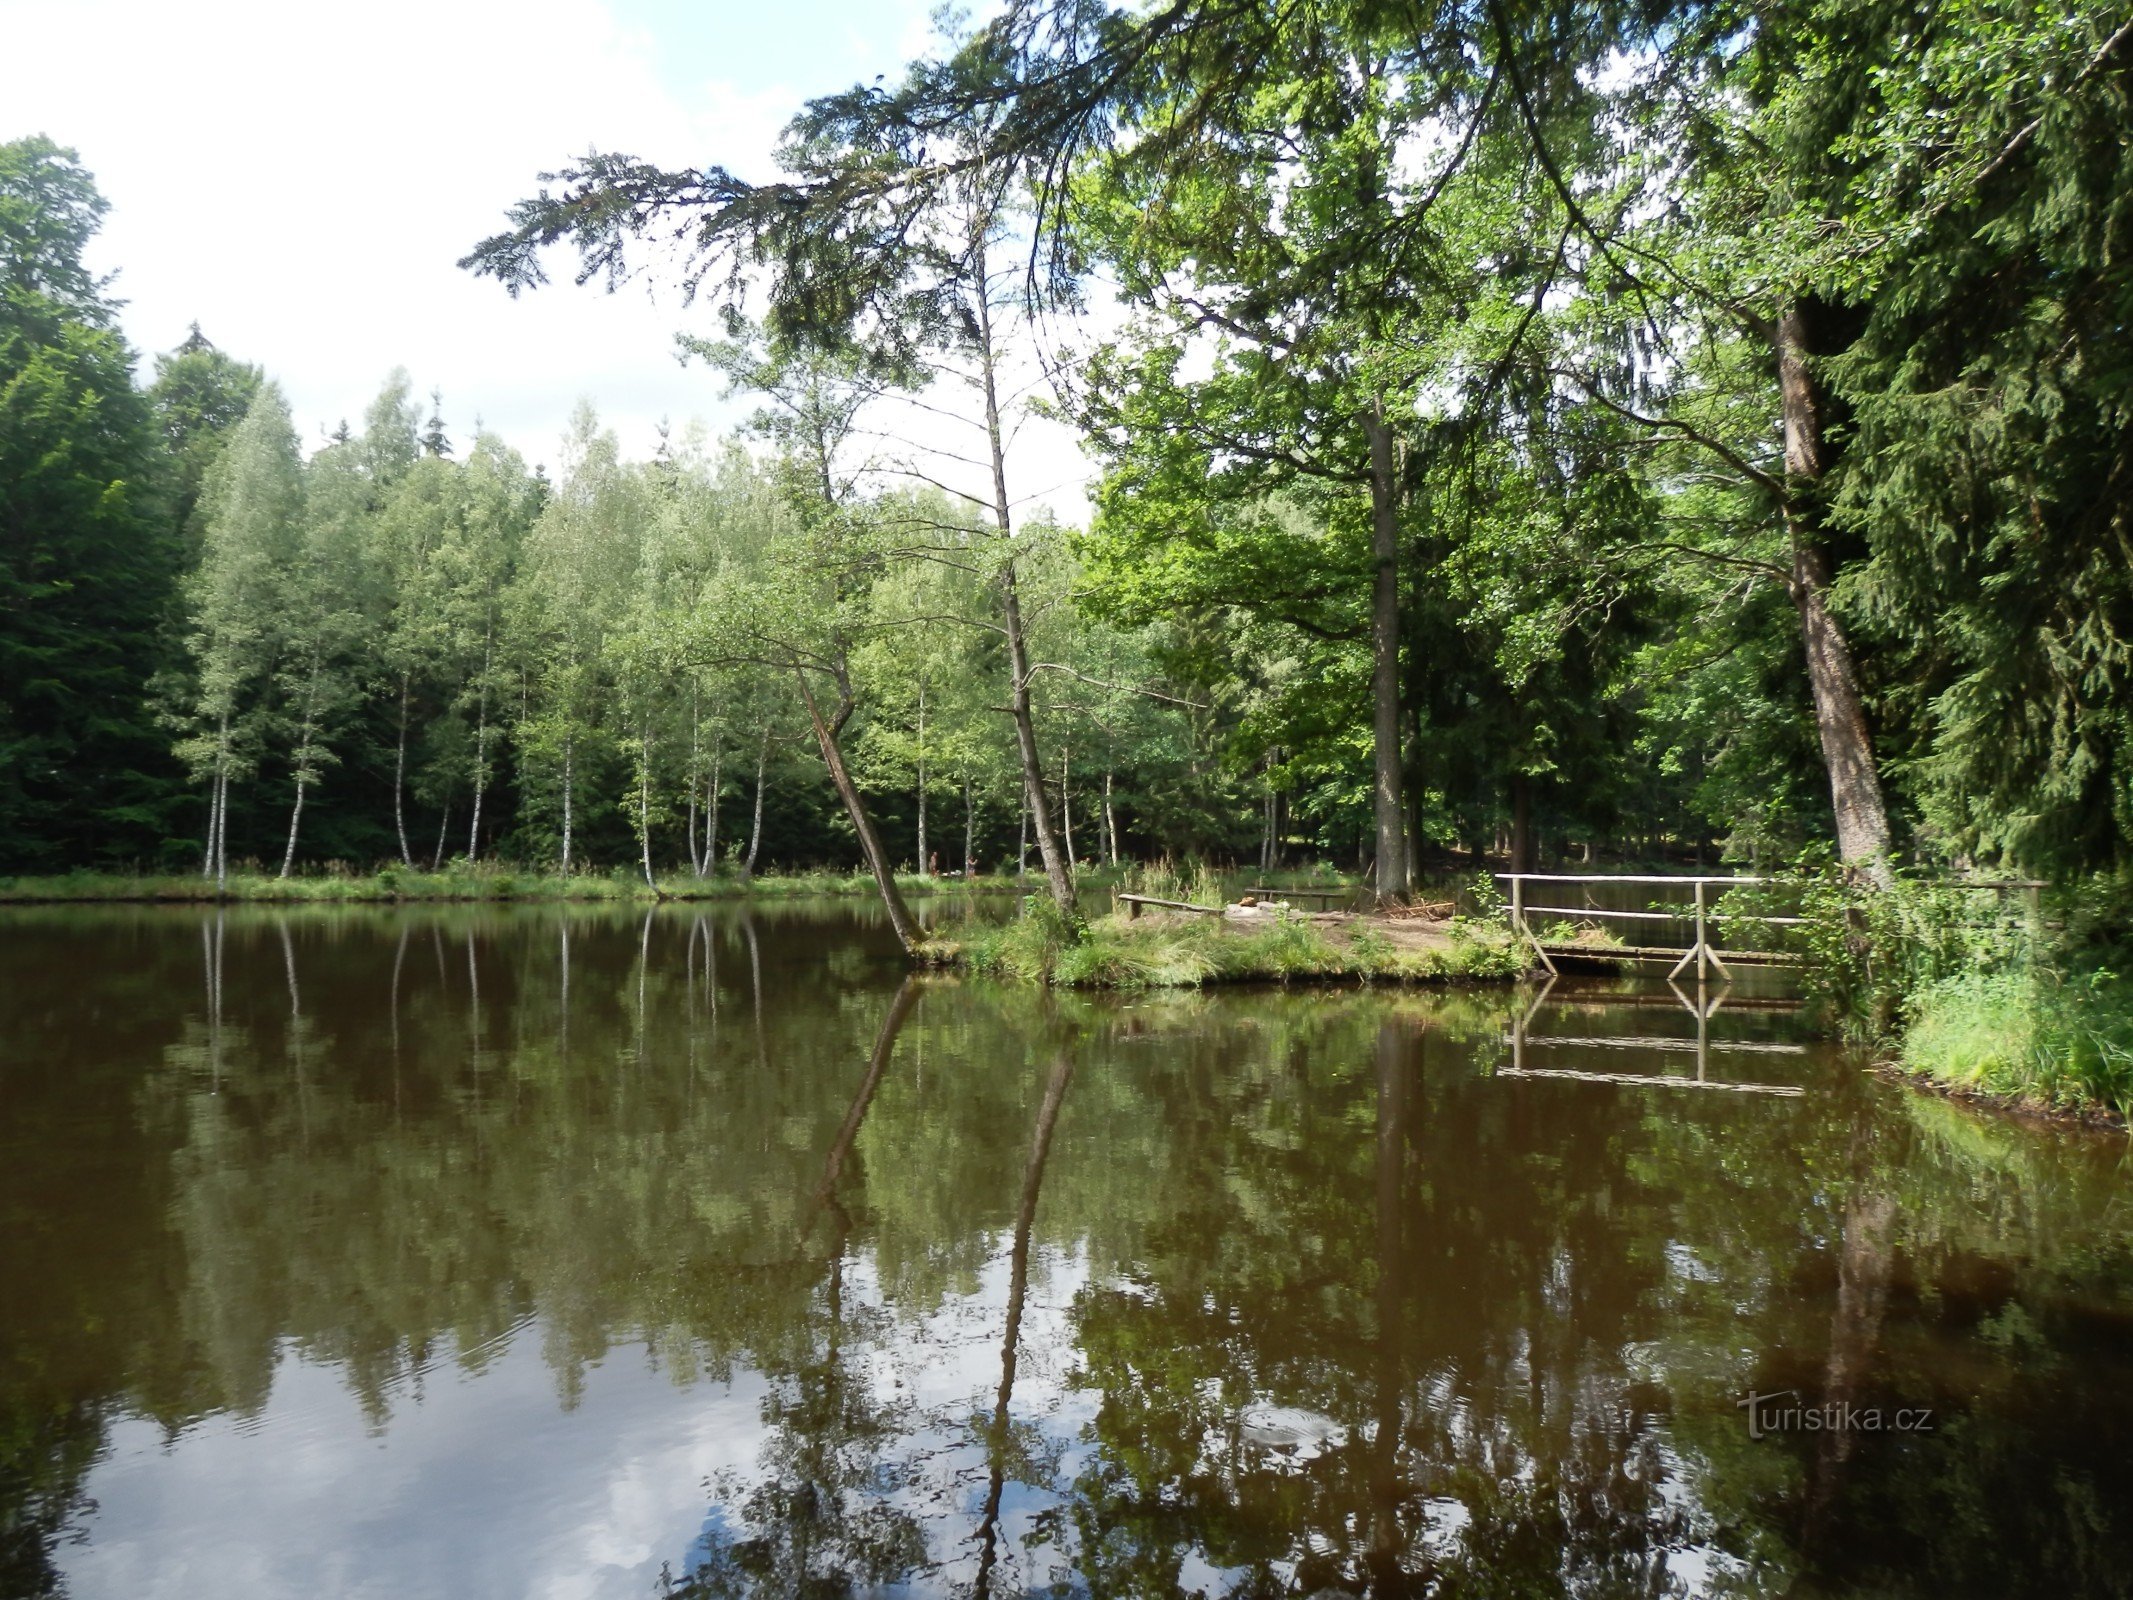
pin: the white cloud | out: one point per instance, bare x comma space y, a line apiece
302, 181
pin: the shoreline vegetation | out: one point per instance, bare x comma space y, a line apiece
2034, 1042
2023, 1013
483, 882
1244, 943
1165, 950
1958, 987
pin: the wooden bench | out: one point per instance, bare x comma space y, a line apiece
1134, 902
1302, 894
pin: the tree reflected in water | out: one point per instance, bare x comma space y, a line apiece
1252, 1293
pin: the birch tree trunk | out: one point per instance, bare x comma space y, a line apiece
1861, 813
481, 759
644, 802
710, 863
923, 860
970, 832
696, 860
305, 733
1066, 809
568, 753
217, 795
755, 830
296, 816
407, 856
222, 832
214, 801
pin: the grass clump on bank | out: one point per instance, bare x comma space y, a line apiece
2030, 1036
1172, 952
462, 881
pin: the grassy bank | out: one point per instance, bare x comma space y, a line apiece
2035, 1038
483, 881
1972, 989
1161, 952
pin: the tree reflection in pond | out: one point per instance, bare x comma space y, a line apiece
978, 1291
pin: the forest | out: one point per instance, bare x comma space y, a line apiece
1528, 432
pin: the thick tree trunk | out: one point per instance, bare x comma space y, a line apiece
1840, 711
755, 830
407, 856
826, 731
1387, 811
1058, 877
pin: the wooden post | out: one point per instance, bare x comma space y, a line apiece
1702, 948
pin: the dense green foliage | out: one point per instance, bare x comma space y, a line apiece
1548, 429
87, 553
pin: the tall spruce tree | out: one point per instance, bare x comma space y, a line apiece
87, 557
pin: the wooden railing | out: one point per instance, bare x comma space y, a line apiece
1700, 950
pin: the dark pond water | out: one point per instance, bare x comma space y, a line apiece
530, 1253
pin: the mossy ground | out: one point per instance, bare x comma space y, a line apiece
1166, 952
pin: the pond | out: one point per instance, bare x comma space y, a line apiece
532, 1251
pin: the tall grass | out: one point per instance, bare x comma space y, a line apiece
2028, 1036
1194, 882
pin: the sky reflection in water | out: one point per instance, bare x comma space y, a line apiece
536, 1252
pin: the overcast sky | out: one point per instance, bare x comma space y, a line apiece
301, 180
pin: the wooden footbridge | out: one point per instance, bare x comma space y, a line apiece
1703, 948
1706, 946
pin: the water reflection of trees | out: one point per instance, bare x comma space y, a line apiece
1353, 1314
